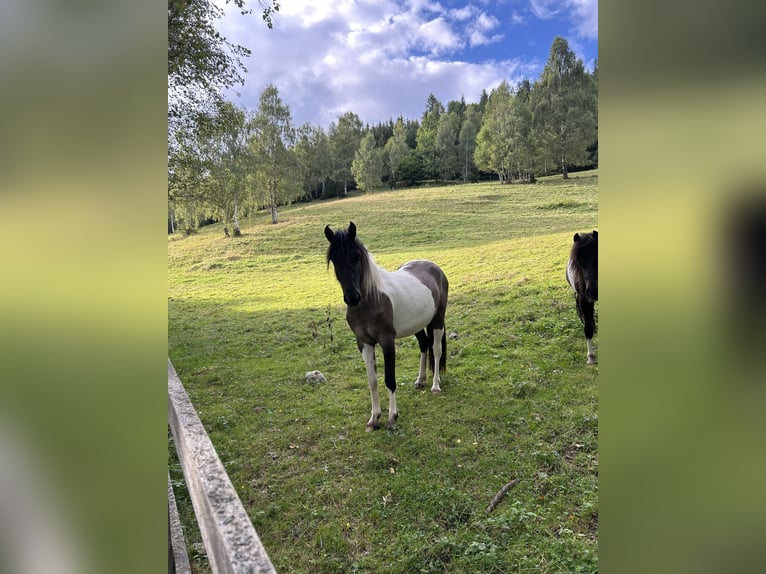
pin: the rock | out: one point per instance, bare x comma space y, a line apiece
453, 335
315, 377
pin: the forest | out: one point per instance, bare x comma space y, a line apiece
225, 162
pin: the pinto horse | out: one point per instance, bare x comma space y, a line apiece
582, 275
384, 306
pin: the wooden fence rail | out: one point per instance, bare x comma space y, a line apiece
232, 545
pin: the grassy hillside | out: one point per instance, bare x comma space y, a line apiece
250, 315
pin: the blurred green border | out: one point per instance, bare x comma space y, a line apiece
83, 296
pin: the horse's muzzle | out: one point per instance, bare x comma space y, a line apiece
353, 299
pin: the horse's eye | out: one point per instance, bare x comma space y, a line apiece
355, 256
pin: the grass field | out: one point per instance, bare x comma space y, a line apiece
248, 316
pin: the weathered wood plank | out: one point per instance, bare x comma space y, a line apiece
232, 545
178, 556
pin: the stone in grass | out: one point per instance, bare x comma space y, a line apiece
315, 377
453, 335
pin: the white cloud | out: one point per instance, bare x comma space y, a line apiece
546, 9
377, 58
584, 14
437, 37
464, 13
480, 29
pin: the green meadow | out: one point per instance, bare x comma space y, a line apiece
249, 316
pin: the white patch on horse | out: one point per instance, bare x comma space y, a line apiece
591, 352
437, 349
570, 273
412, 302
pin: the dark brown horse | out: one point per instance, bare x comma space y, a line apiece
384, 306
582, 275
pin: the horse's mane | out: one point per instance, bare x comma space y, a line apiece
369, 272
586, 242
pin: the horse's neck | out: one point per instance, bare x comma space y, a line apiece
374, 280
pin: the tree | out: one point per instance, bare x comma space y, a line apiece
426, 138
494, 142
411, 168
276, 168
447, 160
396, 149
367, 167
229, 165
593, 148
467, 140
524, 152
313, 156
201, 62
208, 170
185, 178
344, 141
563, 107
412, 127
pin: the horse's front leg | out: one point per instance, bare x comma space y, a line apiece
589, 321
368, 354
389, 360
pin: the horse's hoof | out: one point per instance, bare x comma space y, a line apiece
371, 426
391, 425
435, 391
591, 361
418, 385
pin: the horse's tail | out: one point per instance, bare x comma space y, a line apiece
443, 359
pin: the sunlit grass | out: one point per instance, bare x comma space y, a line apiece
250, 315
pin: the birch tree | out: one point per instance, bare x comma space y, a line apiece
275, 166
396, 149
564, 107
367, 167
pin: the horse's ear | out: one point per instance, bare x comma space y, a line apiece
576, 237
352, 230
595, 234
328, 233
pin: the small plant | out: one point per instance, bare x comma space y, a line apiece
328, 321
315, 327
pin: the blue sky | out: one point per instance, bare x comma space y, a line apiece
382, 58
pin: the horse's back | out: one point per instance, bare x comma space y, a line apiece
417, 291
429, 273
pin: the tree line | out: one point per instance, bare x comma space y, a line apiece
225, 162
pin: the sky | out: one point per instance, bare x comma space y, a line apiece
382, 58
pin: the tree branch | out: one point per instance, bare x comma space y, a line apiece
501, 493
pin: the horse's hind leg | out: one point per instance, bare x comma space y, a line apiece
589, 320
423, 343
368, 354
437, 336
